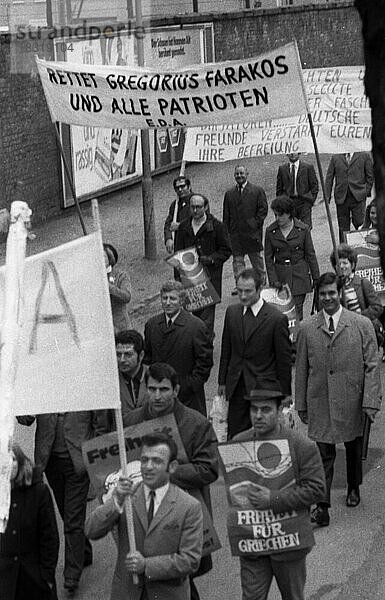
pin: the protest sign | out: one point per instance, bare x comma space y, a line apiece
67, 359
366, 242
283, 300
255, 532
101, 459
340, 112
266, 87
200, 292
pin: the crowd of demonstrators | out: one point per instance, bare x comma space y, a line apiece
244, 211
164, 372
352, 175
297, 180
289, 253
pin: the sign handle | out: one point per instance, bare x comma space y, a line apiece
127, 501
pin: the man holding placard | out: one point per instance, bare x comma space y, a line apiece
168, 528
273, 475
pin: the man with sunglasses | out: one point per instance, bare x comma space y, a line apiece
178, 211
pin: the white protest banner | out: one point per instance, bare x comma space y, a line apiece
67, 359
340, 112
267, 464
267, 87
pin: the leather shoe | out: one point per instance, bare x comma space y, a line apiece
320, 516
353, 498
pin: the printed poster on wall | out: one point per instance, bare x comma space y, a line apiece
267, 464
366, 242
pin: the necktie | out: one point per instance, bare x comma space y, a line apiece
348, 157
150, 512
292, 180
247, 322
169, 322
240, 189
331, 325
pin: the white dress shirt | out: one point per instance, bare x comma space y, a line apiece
159, 495
335, 317
296, 167
254, 307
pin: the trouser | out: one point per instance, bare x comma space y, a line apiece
257, 575
238, 418
299, 300
70, 491
207, 315
353, 465
239, 264
302, 210
350, 210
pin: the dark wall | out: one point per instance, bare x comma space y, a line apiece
326, 35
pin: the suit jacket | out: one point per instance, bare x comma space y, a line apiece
298, 249
243, 215
186, 347
266, 351
336, 377
171, 544
355, 176
306, 182
212, 241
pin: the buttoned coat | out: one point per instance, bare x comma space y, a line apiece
243, 215
298, 249
212, 241
356, 176
266, 351
336, 377
171, 544
306, 182
186, 347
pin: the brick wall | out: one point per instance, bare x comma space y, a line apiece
327, 35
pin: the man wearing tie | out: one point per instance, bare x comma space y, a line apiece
182, 340
168, 526
336, 383
297, 179
352, 175
255, 342
244, 211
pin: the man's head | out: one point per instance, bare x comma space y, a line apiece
293, 156
240, 174
265, 405
172, 296
182, 186
199, 205
249, 285
162, 388
129, 351
329, 288
158, 459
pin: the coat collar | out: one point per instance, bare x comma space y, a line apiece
345, 321
258, 320
297, 227
166, 506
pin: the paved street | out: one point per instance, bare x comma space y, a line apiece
347, 562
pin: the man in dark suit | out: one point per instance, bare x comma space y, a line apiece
244, 211
168, 526
353, 178
211, 240
178, 211
297, 179
255, 342
183, 341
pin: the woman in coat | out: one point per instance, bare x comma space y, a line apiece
30, 545
289, 253
120, 290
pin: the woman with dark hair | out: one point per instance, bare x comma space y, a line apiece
289, 253
30, 545
371, 223
120, 289
358, 294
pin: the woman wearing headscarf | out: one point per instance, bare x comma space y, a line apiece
120, 290
30, 545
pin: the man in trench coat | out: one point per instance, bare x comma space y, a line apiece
337, 384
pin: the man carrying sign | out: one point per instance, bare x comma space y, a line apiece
168, 528
288, 568
197, 435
